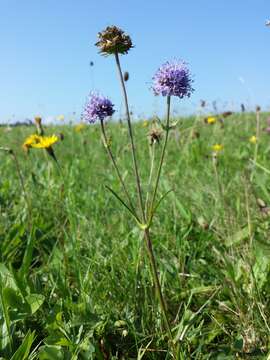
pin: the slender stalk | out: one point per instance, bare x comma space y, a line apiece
257, 139
257, 133
215, 164
156, 281
152, 154
162, 154
146, 230
21, 180
195, 124
221, 194
107, 146
51, 153
136, 171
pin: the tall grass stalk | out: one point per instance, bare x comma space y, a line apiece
257, 142
21, 181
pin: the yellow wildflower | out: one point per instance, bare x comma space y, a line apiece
32, 139
145, 124
45, 142
253, 139
217, 148
40, 142
78, 128
61, 117
211, 120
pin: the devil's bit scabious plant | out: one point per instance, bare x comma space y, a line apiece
171, 79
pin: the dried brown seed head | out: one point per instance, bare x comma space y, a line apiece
113, 40
155, 136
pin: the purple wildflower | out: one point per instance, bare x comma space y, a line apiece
96, 108
173, 79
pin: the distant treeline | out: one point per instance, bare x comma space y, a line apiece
18, 123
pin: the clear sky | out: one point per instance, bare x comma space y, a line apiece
46, 47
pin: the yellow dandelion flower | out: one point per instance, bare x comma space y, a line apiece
253, 139
211, 120
45, 142
40, 142
217, 148
30, 140
145, 124
78, 128
61, 117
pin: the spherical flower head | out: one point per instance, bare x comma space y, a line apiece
113, 40
96, 108
173, 79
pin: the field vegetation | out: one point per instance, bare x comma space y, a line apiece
75, 281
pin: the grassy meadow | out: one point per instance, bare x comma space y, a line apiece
74, 274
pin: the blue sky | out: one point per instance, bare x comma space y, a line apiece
46, 47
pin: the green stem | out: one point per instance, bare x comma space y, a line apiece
152, 154
135, 165
107, 146
257, 140
20, 176
146, 231
162, 154
13, 155
220, 190
156, 281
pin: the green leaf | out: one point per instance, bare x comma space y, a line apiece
35, 301
238, 344
261, 268
28, 254
57, 339
6, 337
122, 202
12, 298
185, 214
237, 237
6, 277
24, 349
158, 203
51, 352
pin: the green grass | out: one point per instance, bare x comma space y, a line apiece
74, 275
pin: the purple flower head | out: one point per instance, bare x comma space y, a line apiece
173, 79
97, 107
